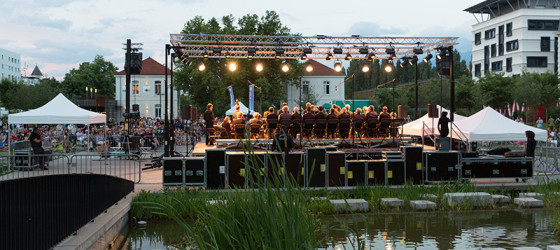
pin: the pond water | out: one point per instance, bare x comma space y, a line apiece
450, 230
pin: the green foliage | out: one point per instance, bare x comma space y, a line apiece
17, 95
496, 89
211, 84
98, 74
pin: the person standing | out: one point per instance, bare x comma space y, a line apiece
443, 125
209, 122
37, 145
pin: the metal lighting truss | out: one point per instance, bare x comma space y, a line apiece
197, 45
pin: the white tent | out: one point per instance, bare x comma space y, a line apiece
489, 125
415, 127
242, 108
59, 110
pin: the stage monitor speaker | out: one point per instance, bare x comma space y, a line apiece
403, 112
432, 111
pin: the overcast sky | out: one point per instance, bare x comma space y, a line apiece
57, 35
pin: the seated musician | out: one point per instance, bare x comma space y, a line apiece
226, 124
320, 114
285, 114
308, 114
344, 114
265, 114
237, 110
256, 119
371, 112
384, 114
331, 116
358, 115
271, 115
239, 119
296, 115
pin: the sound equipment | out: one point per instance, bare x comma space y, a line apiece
194, 113
443, 67
376, 172
275, 169
173, 172
413, 163
236, 172
315, 167
395, 172
336, 162
356, 173
497, 167
442, 166
432, 111
188, 112
391, 155
215, 168
402, 111
256, 169
295, 166
194, 171
135, 63
135, 107
331, 148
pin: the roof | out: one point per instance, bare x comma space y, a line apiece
500, 7
149, 67
36, 71
320, 70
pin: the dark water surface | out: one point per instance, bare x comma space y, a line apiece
452, 230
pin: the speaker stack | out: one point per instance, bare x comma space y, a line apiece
432, 111
403, 113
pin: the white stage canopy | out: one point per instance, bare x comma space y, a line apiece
415, 127
489, 125
59, 110
242, 108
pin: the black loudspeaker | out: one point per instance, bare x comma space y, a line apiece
336, 162
295, 165
135, 107
135, 63
443, 66
395, 172
173, 173
356, 172
215, 168
413, 163
376, 172
315, 167
442, 166
236, 171
432, 111
194, 171
403, 112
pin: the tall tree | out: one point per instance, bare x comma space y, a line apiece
496, 89
98, 74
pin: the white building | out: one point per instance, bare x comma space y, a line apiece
147, 91
34, 78
323, 82
10, 65
515, 36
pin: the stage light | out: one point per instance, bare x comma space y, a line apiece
414, 60
307, 51
259, 67
418, 51
205, 55
228, 55
201, 66
337, 50
390, 51
404, 63
371, 56
363, 51
348, 57
309, 68
365, 68
337, 66
251, 51
441, 54
279, 51
232, 66
216, 50
285, 67
388, 68
329, 56
428, 57
303, 56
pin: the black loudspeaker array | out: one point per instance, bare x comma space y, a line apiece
403, 113
432, 111
443, 66
135, 63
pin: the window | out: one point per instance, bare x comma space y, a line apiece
497, 66
501, 49
486, 57
537, 61
135, 88
508, 65
489, 34
493, 50
543, 24
477, 69
512, 45
157, 108
157, 87
545, 44
305, 87
509, 31
477, 38
326, 87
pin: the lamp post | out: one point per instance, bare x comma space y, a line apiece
87, 92
416, 88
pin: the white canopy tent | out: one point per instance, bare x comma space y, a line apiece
489, 125
242, 108
415, 127
59, 110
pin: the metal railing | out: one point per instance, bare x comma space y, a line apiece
126, 166
546, 160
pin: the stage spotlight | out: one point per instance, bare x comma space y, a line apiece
259, 67
441, 54
390, 51
205, 55
285, 67
337, 66
232, 66
418, 51
251, 51
228, 55
363, 51
404, 62
365, 68
348, 57
279, 51
201, 66
428, 57
388, 68
307, 51
371, 56
414, 60
309, 68
337, 50
329, 56
303, 56
216, 50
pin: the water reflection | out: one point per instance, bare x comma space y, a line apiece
465, 230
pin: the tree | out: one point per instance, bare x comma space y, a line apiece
17, 95
496, 89
99, 74
211, 85
467, 94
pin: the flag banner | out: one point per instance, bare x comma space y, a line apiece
232, 100
251, 97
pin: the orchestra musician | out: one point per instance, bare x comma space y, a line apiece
209, 122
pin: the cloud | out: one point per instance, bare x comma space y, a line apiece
373, 29
45, 21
